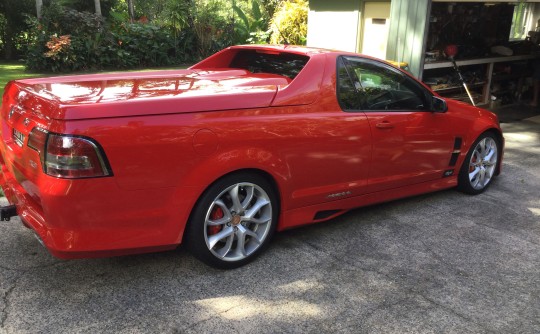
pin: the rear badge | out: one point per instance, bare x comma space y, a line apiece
337, 195
26, 121
18, 137
11, 112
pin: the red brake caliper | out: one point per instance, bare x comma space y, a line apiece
471, 168
216, 214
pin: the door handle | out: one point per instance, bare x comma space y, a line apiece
384, 125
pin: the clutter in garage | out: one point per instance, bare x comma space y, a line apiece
482, 53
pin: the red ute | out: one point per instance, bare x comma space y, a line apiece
250, 140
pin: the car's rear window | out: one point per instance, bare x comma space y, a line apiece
280, 63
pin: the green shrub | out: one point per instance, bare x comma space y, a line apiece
251, 27
67, 40
64, 40
13, 27
142, 45
289, 23
213, 31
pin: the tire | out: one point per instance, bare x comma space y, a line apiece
233, 221
480, 165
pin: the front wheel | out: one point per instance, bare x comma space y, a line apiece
233, 221
480, 165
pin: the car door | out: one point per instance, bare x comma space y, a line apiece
411, 144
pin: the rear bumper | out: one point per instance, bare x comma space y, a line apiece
31, 215
95, 218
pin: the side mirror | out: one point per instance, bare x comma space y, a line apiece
438, 104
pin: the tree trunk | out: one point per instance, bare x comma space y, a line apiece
8, 31
8, 41
39, 7
131, 10
97, 4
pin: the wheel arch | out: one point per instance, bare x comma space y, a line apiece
498, 136
254, 171
465, 181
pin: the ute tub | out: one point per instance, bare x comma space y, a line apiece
163, 92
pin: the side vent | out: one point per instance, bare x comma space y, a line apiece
457, 150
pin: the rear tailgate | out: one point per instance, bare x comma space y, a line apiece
20, 113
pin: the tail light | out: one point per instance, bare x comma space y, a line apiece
68, 156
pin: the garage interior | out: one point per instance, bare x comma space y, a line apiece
496, 48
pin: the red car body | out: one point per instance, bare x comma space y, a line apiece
166, 136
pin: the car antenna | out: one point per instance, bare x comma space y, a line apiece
285, 41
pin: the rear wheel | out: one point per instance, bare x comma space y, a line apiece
480, 165
233, 221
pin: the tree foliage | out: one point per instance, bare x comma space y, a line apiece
86, 5
68, 40
289, 23
13, 26
70, 36
2, 31
252, 26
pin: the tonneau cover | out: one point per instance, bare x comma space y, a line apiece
158, 92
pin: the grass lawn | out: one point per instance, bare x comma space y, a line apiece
10, 71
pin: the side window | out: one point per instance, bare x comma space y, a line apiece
347, 92
365, 84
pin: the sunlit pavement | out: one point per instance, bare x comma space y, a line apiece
439, 263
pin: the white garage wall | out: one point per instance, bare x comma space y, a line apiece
333, 29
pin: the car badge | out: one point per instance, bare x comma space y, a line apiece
11, 112
26, 121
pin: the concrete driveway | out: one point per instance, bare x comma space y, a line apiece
443, 262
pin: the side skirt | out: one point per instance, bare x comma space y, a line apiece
309, 214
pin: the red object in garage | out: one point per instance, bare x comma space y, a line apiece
451, 50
